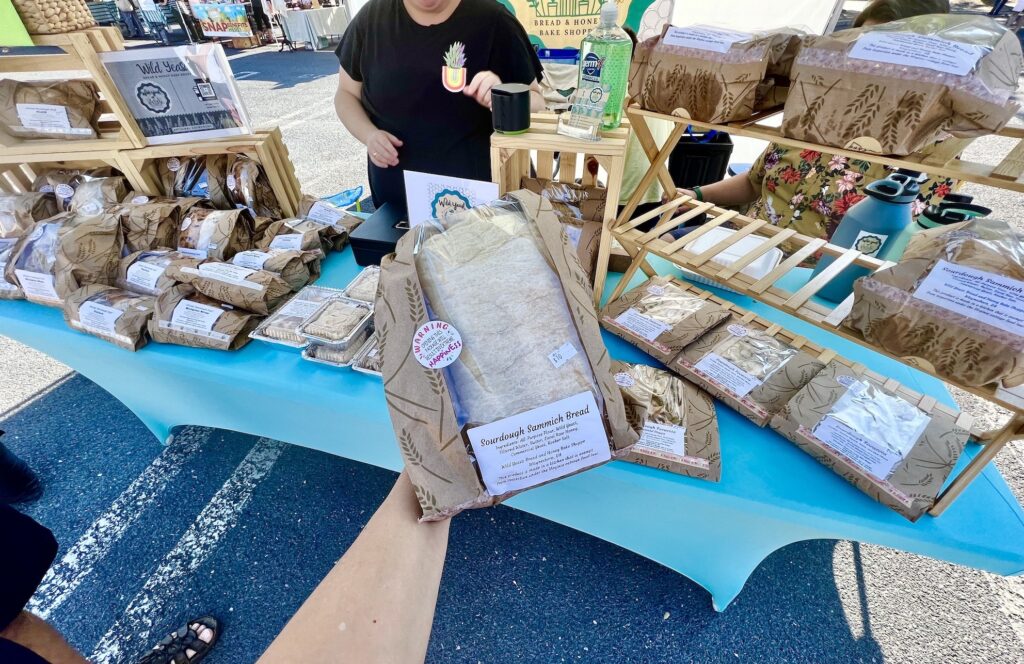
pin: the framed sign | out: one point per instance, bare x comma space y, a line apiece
429, 196
221, 19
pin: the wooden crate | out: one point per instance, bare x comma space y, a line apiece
79, 53
18, 171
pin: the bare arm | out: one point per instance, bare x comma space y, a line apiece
382, 146
377, 604
480, 89
730, 192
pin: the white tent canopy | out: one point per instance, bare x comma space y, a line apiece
814, 16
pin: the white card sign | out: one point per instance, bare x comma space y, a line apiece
430, 196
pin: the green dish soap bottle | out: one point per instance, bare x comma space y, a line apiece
605, 56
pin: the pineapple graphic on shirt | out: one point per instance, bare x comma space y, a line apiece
453, 73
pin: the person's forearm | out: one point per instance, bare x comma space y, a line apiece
730, 192
352, 114
377, 604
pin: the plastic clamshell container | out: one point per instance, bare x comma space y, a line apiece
370, 346
343, 343
315, 296
371, 272
759, 268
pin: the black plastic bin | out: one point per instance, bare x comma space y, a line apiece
700, 159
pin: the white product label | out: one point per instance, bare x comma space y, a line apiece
173, 164
436, 344
643, 326
46, 189
140, 200
662, 438
90, 209
47, 118
850, 382
64, 191
914, 50
656, 290
623, 379
986, 297
728, 375
324, 214
227, 273
230, 180
705, 38
144, 275
869, 243
562, 354
192, 253
254, 260
289, 241
195, 317
737, 330
872, 457
99, 317
303, 308
540, 445
574, 233
37, 284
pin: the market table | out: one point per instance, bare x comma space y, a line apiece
771, 493
309, 25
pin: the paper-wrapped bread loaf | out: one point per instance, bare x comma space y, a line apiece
65, 110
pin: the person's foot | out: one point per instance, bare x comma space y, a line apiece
18, 484
188, 645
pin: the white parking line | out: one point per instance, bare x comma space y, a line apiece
131, 633
77, 564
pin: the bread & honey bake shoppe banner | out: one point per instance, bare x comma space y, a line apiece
564, 23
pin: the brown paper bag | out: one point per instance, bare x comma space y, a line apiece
215, 234
65, 110
9, 289
295, 234
297, 268
19, 212
677, 421
915, 480
581, 211
152, 222
334, 223
247, 186
662, 316
259, 291
94, 195
421, 401
145, 272
187, 318
110, 313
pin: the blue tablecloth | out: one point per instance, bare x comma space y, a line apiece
771, 493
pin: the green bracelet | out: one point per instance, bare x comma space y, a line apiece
699, 194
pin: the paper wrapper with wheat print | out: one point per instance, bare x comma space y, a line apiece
297, 268
64, 110
258, 291
19, 212
112, 314
334, 223
187, 318
676, 420
152, 222
248, 186
952, 304
581, 211
215, 234
9, 289
915, 464
504, 369
146, 271
950, 73
715, 75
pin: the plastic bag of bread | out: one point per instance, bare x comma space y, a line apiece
581, 211
876, 438
282, 327
63, 182
9, 289
662, 316
952, 303
19, 212
65, 110
677, 421
146, 271
508, 383
334, 223
259, 291
94, 195
203, 176
152, 222
297, 268
187, 318
894, 88
112, 314
64, 253
714, 74
214, 234
248, 187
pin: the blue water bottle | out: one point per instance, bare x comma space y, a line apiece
870, 227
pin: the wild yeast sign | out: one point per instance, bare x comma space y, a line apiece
564, 23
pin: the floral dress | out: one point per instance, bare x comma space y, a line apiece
810, 191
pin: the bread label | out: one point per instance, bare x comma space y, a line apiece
660, 438
643, 326
195, 318
574, 233
289, 241
37, 284
98, 317
984, 296
913, 50
144, 275
47, 118
728, 375
254, 260
324, 214
704, 38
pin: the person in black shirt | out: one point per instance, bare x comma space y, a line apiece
415, 86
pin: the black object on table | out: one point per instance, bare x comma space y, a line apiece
376, 237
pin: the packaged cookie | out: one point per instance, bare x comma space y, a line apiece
343, 358
894, 445
19, 212
187, 318
662, 315
295, 267
110, 313
215, 234
364, 286
65, 110
752, 365
338, 322
282, 327
146, 271
259, 291
677, 421
248, 187
368, 359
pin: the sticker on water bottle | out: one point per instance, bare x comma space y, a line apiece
869, 243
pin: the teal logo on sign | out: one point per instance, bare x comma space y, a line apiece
447, 201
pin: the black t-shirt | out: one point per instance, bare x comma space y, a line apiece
410, 92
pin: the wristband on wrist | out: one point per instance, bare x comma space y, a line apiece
698, 194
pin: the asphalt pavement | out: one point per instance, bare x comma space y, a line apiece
244, 528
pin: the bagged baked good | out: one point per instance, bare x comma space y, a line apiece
952, 303
714, 74
187, 318
94, 195
752, 365
339, 323
152, 222
506, 369
9, 289
43, 17
369, 359
203, 176
295, 234
214, 234
146, 271
296, 268
677, 422
282, 327
19, 212
334, 223
343, 358
581, 211
364, 286
662, 316
259, 291
64, 253
248, 187
62, 183
878, 439
112, 314
894, 88
65, 110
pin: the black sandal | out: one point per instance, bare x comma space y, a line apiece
173, 648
